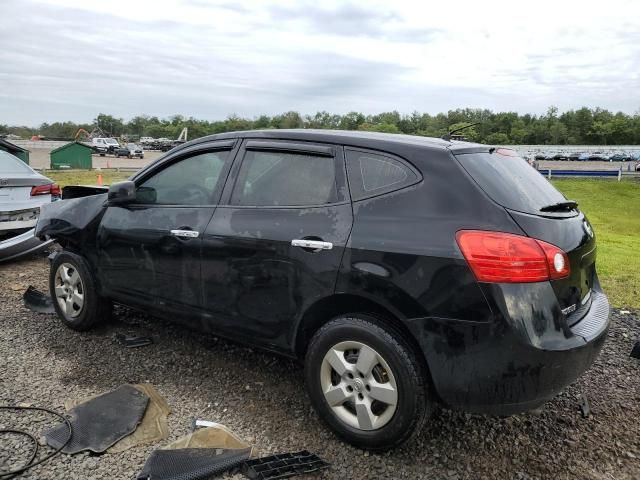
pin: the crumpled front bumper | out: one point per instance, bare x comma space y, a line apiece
21, 245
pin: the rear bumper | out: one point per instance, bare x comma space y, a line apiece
518, 360
17, 219
21, 245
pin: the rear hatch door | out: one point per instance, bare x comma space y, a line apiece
543, 213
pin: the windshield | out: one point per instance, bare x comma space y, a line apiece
511, 181
111, 141
11, 164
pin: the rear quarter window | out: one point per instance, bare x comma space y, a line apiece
510, 181
372, 174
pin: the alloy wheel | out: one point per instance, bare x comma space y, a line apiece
69, 290
358, 385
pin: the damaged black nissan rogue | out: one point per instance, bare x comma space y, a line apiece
404, 271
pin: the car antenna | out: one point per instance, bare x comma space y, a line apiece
448, 136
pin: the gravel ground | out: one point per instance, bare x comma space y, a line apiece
261, 398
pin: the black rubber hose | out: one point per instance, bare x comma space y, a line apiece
31, 463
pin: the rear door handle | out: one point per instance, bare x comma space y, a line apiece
312, 244
185, 233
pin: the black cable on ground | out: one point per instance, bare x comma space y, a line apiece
34, 453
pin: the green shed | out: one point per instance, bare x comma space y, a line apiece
21, 153
71, 155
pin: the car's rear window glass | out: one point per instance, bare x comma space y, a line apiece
285, 179
11, 164
373, 174
510, 181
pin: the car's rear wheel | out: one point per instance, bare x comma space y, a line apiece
73, 290
367, 382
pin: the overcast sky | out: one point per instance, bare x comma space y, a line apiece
72, 59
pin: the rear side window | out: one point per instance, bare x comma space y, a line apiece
271, 178
510, 181
373, 174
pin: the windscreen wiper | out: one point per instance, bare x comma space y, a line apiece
560, 206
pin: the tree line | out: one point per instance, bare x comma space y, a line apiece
584, 126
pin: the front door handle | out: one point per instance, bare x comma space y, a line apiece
185, 233
312, 244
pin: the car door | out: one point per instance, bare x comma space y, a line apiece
149, 250
276, 245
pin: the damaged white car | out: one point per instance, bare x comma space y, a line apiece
22, 192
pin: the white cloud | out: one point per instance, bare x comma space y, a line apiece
71, 59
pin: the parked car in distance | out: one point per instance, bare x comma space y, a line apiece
403, 271
561, 156
618, 157
22, 193
104, 145
131, 150
597, 156
540, 156
583, 157
574, 156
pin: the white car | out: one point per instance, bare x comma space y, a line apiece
104, 145
22, 192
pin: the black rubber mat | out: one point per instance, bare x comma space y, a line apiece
99, 423
191, 463
283, 465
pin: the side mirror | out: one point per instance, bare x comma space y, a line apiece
122, 192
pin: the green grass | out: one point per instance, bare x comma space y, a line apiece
85, 177
613, 208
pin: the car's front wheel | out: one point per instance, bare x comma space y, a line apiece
367, 382
74, 293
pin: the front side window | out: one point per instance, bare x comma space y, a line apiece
190, 181
269, 178
373, 174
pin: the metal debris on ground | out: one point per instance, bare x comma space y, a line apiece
101, 422
191, 463
635, 352
132, 341
153, 427
197, 423
284, 465
38, 302
583, 403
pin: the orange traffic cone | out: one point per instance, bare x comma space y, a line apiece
99, 179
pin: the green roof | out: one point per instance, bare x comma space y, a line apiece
12, 146
70, 144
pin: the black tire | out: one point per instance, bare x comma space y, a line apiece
95, 309
414, 400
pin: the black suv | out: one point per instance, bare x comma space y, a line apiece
403, 270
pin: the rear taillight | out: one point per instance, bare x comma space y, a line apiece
499, 257
50, 189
